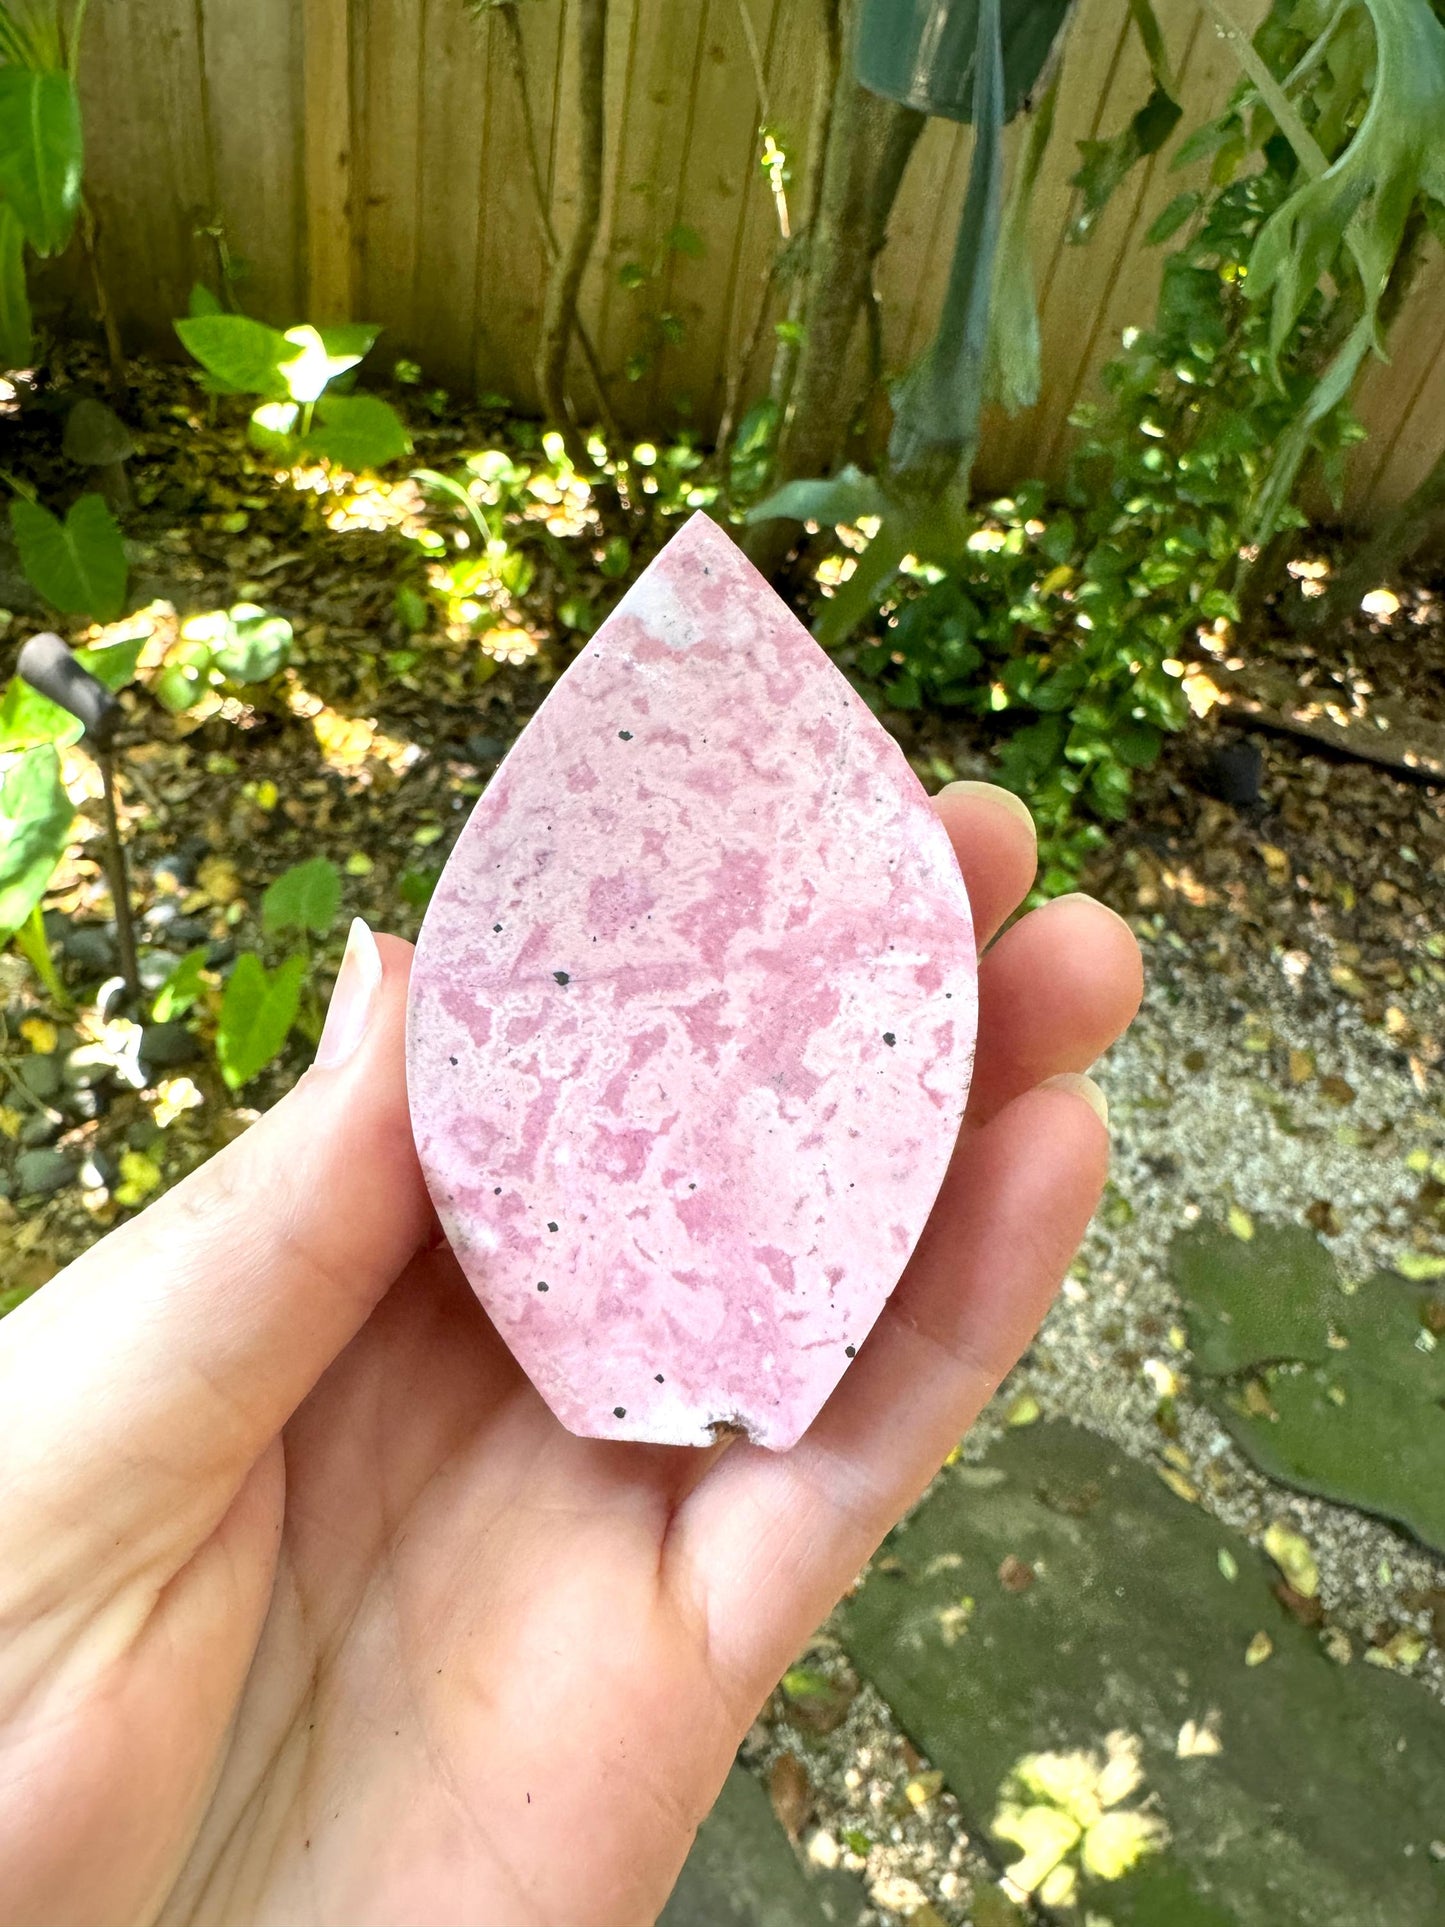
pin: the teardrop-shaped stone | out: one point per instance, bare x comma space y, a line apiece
692, 1019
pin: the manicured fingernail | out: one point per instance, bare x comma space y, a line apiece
994, 793
1083, 1087
352, 1001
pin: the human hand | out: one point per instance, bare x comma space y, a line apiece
310, 1612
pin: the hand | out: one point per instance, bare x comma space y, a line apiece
310, 1611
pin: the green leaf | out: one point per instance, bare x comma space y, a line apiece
202, 302
1013, 323
836, 499
78, 565
35, 819
257, 1011
1364, 197
254, 645
1104, 163
17, 342
357, 432
305, 897
352, 339
1172, 218
181, 989
312, 367
41, 154
936, 406
243, 355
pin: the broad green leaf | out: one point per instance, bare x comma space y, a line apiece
937, 404
245, 355
1363, 198
181, 989
310, 367
305, 897
353, 339
28, 719
254, 646
840, 498
1172, 218
41, 154
16, 339
202, 302
35, 819
924, 55
1104, 163
78, 565
257, 1011
1013, 324
357, 432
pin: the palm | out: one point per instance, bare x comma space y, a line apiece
470, 1617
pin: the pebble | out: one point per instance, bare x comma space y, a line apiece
41, 1172
39, 1075
90, 945
164, 1046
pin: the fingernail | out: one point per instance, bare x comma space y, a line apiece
1083, 1087
352, 1001
994, 793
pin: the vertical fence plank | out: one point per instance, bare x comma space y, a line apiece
326, 66
652, 141
791, 53
451, 157
254, 53
1011, 448
1393, 399
148, 173
512, 261
385, 164
722, 141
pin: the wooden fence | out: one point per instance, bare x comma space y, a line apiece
367, 158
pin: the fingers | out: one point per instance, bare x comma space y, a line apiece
993, 837
1053, 994
143, 1382
768, 1541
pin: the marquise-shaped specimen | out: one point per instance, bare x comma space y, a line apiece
692, 1019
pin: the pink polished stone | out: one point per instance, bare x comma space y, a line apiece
692, 1019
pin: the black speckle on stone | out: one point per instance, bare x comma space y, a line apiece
659, 1378
451, 1060
889, 1038
498, 1192
496, 926
550, 1225
692, 1187
541, 1285
851, 1351
625, 734
948, 993
561, 976
619, 1411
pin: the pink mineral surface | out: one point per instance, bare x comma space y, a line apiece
692, 1019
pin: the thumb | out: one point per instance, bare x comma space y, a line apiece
145, 1380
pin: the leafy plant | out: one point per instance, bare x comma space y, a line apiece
240, 645
302, 415
78, 564
305, 898
1063, 620
260, 1006
258, 1010
41, 153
